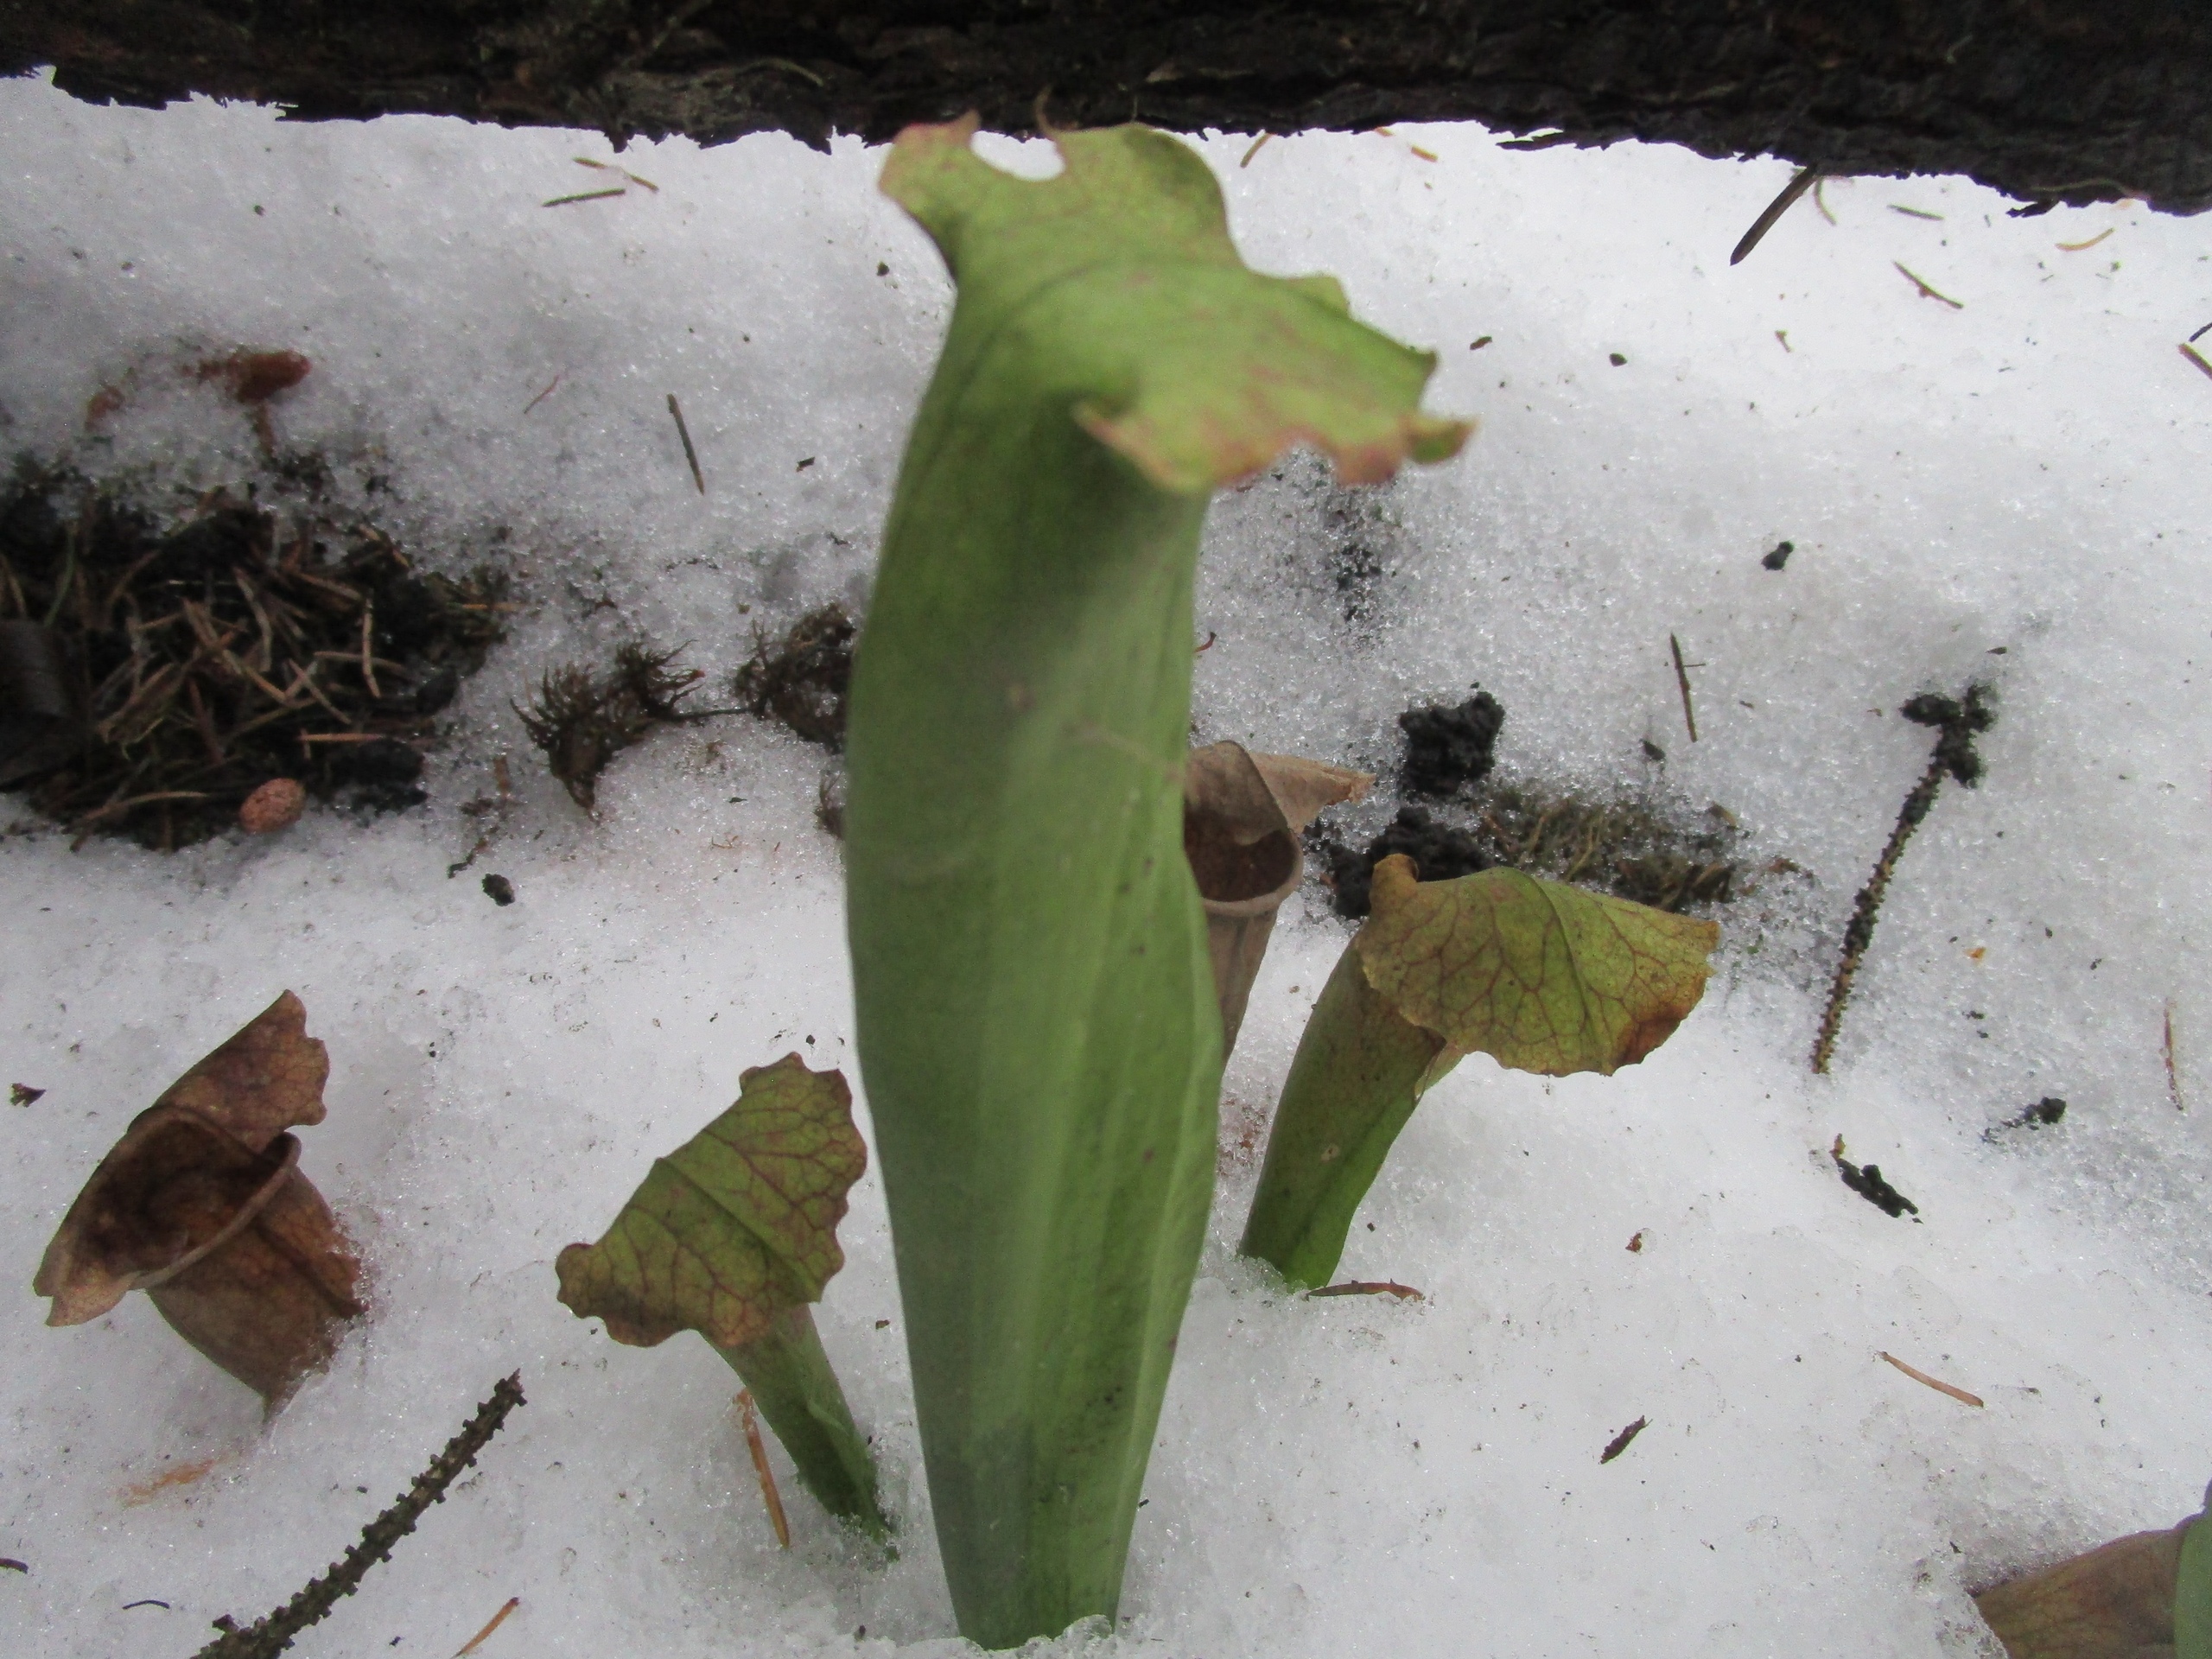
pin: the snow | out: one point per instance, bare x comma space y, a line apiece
1347, 1477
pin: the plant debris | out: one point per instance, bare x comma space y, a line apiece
769, 1496
1779, 558
1807, 179
1370, 1288
1619, 1443
21, 1094
202, 1204
1683, 680
582, 721
1451, 749
500, 890
152, 679
499, 1618
684, 433
1624, 847
1958, 722
2173, 1070
184, 1474
266, 1638
2045, 1112
1940, 1387
1926, 292
276, 805
586, 195
1867, 1181
803, 681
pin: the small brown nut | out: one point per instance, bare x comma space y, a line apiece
276, 805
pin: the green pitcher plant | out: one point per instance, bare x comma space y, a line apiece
1037, 1019
733, 1234
1542, 976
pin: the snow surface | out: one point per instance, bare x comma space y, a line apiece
1351, 1477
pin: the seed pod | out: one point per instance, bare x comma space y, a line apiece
274, 805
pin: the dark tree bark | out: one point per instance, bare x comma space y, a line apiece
2048, 100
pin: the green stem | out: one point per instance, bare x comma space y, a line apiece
1359, 1071
798, 1392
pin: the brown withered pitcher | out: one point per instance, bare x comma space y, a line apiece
202, 1205
1242, 814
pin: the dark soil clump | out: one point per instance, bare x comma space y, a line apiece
153, 677
801, 681
1624, 847
1868, 1183
1439, 852
1449, 750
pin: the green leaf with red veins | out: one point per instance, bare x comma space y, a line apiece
735, 1225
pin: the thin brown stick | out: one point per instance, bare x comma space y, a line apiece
1926, 292
497, 1619
2190, 353
1781, 204
1258, 143
1858, 933
542, 395
585, 196
2173, 1071
768, 1493
1682, 679
684, 433
268, 1636
1936, 1383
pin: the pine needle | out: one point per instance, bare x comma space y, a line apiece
497, 1619
769, 1495
1936, 1383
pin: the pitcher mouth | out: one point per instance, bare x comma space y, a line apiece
1236, 879
242, 1218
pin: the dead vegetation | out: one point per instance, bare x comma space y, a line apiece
154, 676
802, 679
583, 720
